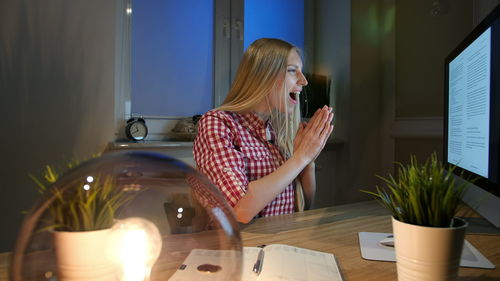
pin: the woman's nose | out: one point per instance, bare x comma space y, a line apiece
302, 80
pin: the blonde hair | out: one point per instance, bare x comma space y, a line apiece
261, 69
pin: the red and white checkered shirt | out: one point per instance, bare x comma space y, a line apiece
232, 150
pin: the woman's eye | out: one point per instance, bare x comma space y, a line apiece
292, 70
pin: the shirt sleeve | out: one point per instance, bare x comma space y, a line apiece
217, 157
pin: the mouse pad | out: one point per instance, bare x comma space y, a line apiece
371, 249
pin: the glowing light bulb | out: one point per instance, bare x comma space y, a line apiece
135, 246
86, 187
90, 179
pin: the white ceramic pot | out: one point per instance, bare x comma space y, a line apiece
427, 253
83, 256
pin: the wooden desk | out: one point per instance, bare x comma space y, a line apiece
335, 230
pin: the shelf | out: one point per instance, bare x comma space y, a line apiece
150, 144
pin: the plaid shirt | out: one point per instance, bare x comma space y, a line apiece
232, 150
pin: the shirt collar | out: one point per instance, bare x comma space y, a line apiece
255, 124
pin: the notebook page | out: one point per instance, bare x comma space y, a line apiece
283, 262
250, 255
223, 258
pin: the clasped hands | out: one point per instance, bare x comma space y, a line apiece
311, 136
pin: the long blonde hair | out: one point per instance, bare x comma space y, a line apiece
261, 69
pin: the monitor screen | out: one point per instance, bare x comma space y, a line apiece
472, 110
469, 106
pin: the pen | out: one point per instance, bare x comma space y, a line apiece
258, 264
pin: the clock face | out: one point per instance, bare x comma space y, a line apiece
138, 130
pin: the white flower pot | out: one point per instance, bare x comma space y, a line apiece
83, 256
427, 253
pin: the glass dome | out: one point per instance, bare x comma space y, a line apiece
129, 216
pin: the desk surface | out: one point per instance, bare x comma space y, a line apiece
335, 230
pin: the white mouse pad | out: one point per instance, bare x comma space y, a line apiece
371, 249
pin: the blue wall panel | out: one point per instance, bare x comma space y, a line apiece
172, 57
283, 19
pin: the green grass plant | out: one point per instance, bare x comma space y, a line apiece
423, 194
74, 208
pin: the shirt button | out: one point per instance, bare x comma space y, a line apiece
226, 170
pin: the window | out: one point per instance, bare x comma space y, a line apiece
172, 57
184, 54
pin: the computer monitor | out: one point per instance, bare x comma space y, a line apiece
472, 115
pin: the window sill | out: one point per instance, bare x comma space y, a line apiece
149, 144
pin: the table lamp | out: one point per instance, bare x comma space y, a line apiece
127, 216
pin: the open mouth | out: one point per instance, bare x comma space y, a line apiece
294, 96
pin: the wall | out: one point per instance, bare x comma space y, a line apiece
386, 61
327, 52
57, 89
423, 40
348, 49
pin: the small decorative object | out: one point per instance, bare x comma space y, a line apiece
105, 219
136, 129
428, 238
185, 129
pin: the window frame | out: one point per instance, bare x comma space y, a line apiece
228, 50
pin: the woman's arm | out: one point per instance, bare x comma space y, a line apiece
264, 190
308, 180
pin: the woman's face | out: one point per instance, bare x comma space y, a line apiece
290, 86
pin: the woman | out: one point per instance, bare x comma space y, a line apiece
253, 147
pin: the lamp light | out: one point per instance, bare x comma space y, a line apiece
135, 245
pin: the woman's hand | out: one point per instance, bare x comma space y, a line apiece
311, 137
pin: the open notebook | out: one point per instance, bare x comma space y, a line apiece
280, 262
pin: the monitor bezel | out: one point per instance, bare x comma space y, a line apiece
490, 185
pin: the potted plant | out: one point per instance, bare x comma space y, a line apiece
80, 217
428, 237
